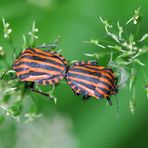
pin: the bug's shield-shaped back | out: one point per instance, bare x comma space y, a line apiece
42, 67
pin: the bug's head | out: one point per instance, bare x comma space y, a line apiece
114, 91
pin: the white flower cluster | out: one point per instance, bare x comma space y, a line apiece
7, 29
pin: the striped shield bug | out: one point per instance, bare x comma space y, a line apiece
41, 67
89, 79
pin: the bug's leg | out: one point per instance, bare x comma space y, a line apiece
109, 101
76, 94
85, 97
44, 94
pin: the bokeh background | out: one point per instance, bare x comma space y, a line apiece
72, 123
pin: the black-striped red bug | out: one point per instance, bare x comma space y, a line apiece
89, 79
41, 67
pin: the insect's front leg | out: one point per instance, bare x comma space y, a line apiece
109, 101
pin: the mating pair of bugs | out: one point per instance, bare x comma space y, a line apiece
49, 67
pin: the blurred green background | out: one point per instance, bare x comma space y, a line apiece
72, 123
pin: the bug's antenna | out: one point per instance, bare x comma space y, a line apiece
126, 80
4, 74
117, 106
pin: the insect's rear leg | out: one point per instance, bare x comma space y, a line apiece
75, 93
44, 94
86, 97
